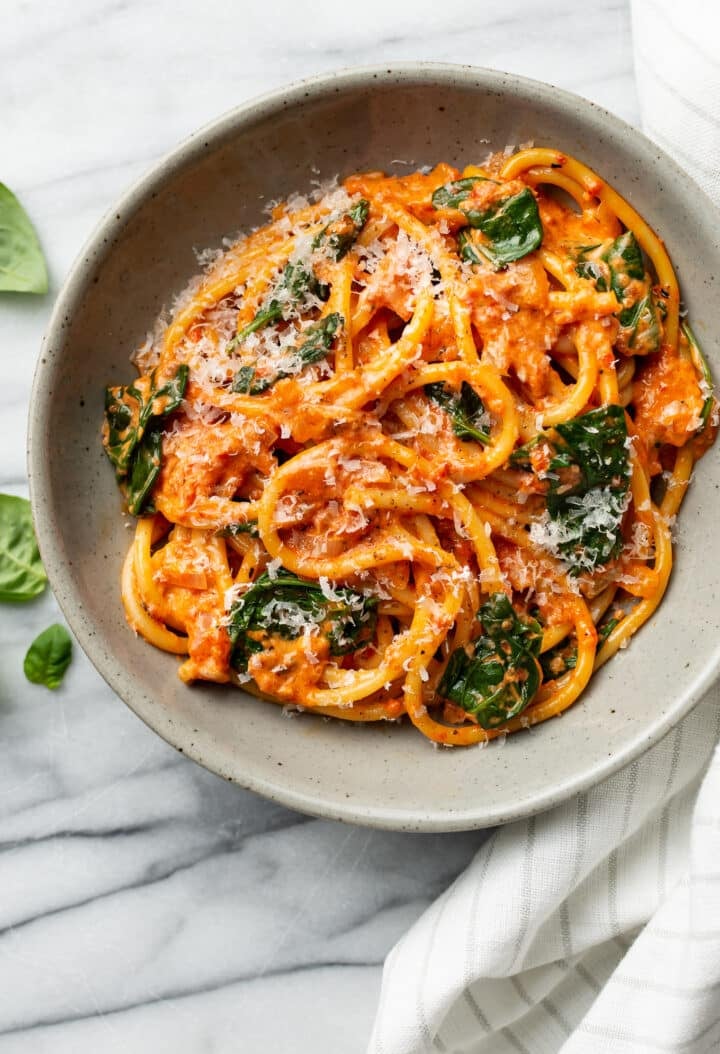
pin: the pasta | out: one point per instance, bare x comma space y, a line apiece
415, 447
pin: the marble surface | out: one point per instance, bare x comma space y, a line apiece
145, 905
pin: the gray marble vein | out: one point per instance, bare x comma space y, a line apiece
146, 905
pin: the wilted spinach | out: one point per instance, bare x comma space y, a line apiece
341, 233
318, 341
452, 195
285, 606
466, 410
700, 364
296, 285
132, 433
497, 676
588, 479
512, 226
619, 266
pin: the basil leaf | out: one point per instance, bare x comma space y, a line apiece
286, 606
512, 227
22, 575
22, 264
451, 195
466, 411
499, 674
49, 656
342, 232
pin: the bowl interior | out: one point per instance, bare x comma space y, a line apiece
143, 255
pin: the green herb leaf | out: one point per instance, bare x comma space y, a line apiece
22, 264
144, 470
614, 266
132, 439
296, 285
466, 411
469, 251
318, 341
342, 232
589, 476
605, 630
232, 530
558, 660
640, 326
701, 365
498, 676
22, 575
49, 656
512, 227
245, 383
452, 195
285, 606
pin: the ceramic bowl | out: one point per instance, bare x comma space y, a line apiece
142, 254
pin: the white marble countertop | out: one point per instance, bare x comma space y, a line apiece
146, 905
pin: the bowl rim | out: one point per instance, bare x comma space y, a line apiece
62, 580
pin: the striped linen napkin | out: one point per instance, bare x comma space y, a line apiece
594, 927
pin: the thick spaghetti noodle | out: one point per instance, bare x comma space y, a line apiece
415, 447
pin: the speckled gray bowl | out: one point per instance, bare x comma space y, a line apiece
142, 254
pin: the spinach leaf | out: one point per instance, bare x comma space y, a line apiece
232, 530
22, 575
296, 285
49, 656
451, 195
22, 264
613, 266
640, 326
144, 470
286, 606
132, 433
522, 455
318, 341
700, 364
558, 660
466, 411
499, 674
342, 232
512, 227
469, 251
589, 477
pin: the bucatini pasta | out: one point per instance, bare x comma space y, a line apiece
415, 448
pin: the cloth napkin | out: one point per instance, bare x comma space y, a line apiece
594, 927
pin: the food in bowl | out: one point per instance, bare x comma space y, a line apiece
415, 447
